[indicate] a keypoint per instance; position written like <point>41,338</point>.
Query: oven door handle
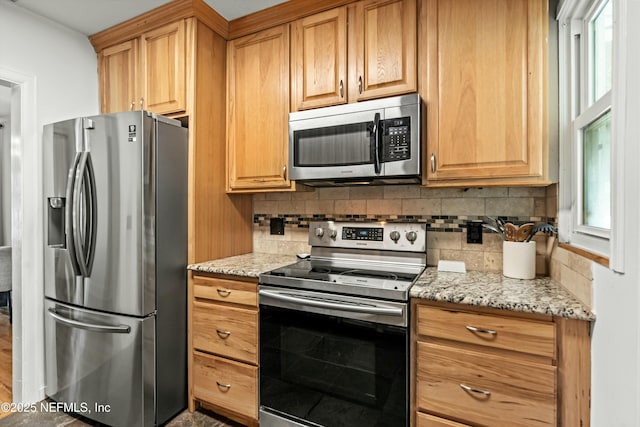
<point>343,306</point>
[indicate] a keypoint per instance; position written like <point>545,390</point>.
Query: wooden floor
<point>5,361</point>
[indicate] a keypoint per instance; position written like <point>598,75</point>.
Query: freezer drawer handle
<point>120,329</point>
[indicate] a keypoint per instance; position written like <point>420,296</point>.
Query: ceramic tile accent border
<point>441,223</point>
<point>445,211</point>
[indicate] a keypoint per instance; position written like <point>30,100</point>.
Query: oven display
<point>362,233</point>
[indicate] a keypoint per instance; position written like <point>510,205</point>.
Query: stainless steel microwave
<point>375,142</point>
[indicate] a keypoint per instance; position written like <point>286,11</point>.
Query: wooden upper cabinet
<point>381,60</point>
<point>164,77</point>
<point>119,76</point>
<point>485,86</point>
<point>147,72</point>
<point>382,48</point>
<point>258,111</point>
<point>319,60</point>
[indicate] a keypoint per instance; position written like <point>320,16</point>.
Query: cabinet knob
<point>223,334</point>
<point>133,103</point>
<point>481,330</point>
<point>226,387</point>
<point>223,292</point>
<point>475,390</point>
<point>141,103</point>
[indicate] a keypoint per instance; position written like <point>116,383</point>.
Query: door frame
<point>27,235</point>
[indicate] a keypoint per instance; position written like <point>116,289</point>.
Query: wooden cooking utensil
<point>510,231</point>
<point>524,231</point>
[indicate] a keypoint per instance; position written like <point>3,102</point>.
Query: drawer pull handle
<point>223,292</point>
<point>481,331</point>
<point>475,390</point>
<point>226,387</point>
<point>223,334</point>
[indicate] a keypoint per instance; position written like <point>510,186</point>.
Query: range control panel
<point>409,237</point>
<point>363,233</point>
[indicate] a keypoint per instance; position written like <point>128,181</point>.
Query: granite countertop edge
<point>541,295</point>
<point>248,265</point>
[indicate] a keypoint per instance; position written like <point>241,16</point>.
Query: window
<point>586,68</point>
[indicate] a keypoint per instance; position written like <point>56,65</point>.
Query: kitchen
<point>69,88</point>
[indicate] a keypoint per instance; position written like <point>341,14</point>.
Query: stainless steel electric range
<point>334,342</point>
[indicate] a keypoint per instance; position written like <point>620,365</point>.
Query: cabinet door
<point>258,115</point>
<point>382,49</point>
<point>319,60</point>
<point>118,77</point>
<point>486,84</point>
<point>164,62</point>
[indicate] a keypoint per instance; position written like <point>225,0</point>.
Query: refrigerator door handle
<point>91,215</point>
<point>69,220</point>
<point>120,329</point>
<point>77,214</point>
<point>84,214</point>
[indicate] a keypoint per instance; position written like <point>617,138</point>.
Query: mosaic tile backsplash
<point>446,213</point>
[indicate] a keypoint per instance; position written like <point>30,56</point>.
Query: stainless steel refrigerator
<point>115,260</point>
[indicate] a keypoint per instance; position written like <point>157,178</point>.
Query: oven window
<point>331,371</point>
<point>339,145</point>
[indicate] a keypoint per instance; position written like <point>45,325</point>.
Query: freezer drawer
<point>95,359</point>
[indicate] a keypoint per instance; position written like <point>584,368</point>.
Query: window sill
<point>589,255</point>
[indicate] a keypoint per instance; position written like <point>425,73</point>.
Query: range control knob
<point>411,236</point>
<point>395,236</point>
<point>333,234</point>
<point>319,232</point>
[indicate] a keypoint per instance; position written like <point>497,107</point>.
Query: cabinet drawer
<point>231,385</point>
<point>226,331</point>
<point>519,392</point>
<point>223,290</point>
<point>523,335</point>
<point>426,420</point>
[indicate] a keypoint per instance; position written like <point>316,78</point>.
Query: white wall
<point>615,383</point>
<point>61,68</point>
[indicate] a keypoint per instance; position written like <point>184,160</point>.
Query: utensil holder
<point>519,260</point>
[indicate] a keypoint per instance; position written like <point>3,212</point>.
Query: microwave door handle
<point>376,136</point>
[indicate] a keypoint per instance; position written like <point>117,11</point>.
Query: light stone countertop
<point>247,265</point>
<point>540,295</point>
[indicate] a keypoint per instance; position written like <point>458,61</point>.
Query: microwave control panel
<point>396,139</point>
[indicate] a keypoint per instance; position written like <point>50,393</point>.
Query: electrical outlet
<point>276,226</point>
<point>474,232</point>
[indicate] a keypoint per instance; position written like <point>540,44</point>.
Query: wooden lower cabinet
<point>480,387</point>
<point>223,342</point>
<point>488,367</point>
<point>226,383</point>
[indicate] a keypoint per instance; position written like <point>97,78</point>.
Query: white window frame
<point>574,17</point>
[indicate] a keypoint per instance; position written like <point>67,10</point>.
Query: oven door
<point>334,361</point>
